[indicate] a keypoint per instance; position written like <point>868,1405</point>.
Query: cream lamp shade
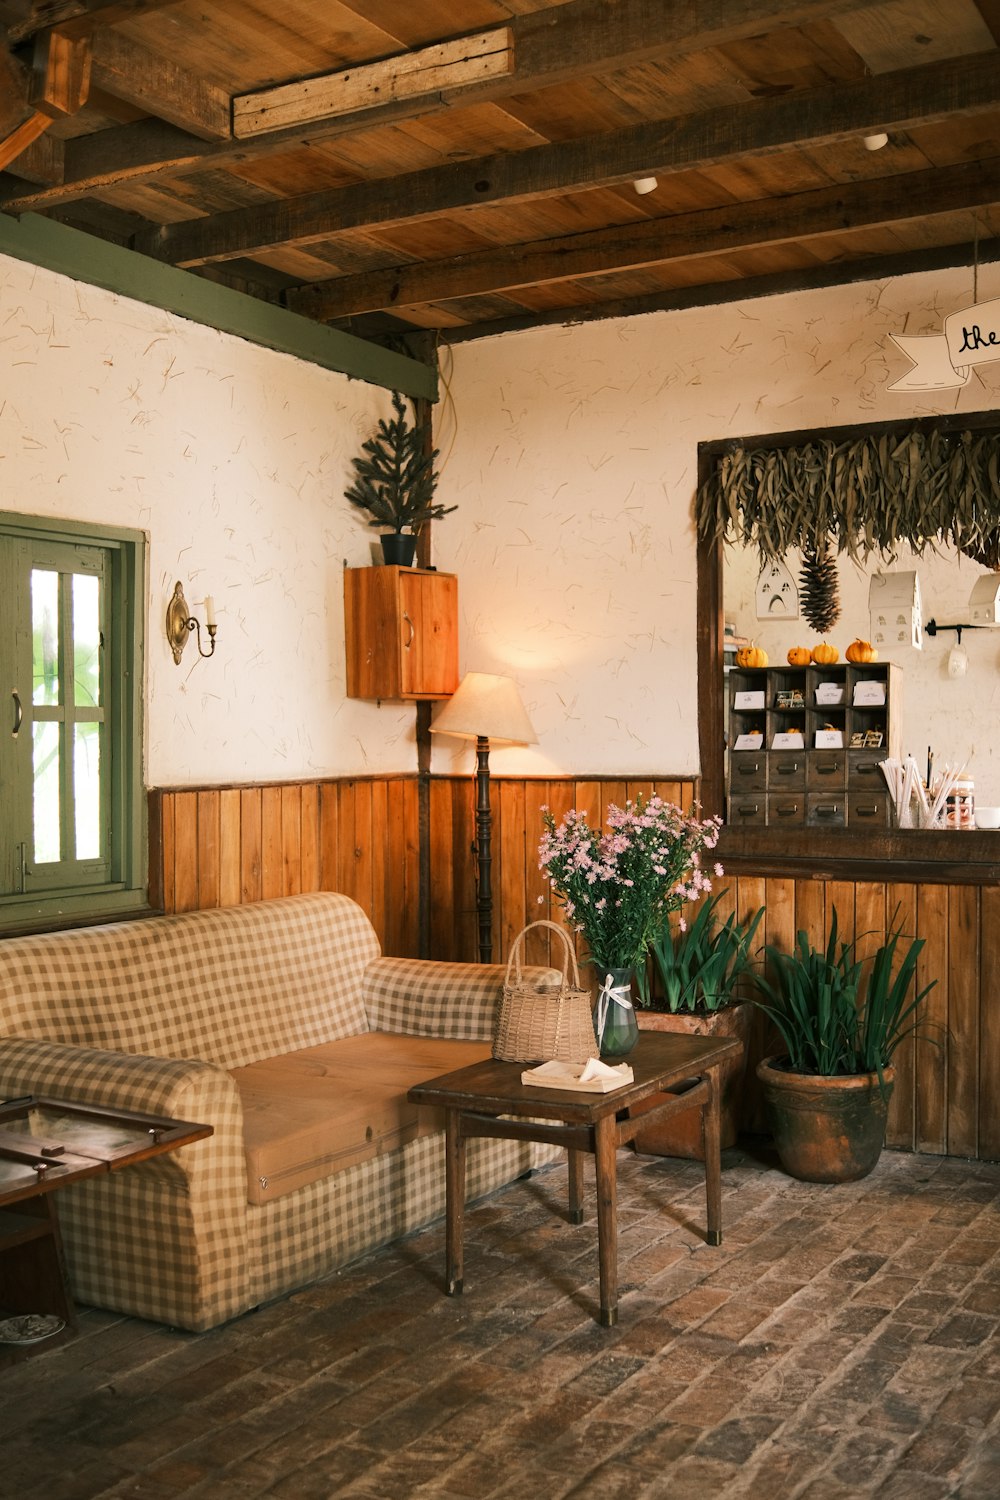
<point>486,707</point>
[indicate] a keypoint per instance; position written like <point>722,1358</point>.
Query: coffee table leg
<point>606,1161</point>
<point>455,1202</point>
<point>713,1157</point>
<point>575,1187</point>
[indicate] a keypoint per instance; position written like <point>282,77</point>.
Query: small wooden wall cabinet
<point>400,633</point>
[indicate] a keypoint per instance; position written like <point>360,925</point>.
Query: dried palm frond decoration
<point>865,494</point>
<point>819,597</point>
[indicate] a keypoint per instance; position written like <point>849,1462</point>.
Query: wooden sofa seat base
<point>326,1108</point>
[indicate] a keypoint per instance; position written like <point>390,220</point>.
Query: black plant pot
<point>398,547</point>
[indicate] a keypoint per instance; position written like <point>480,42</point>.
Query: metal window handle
<point>18,713</point>
<point>408,643</point>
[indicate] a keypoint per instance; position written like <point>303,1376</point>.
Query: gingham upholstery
<point>426,998</point>
<point>150,1015</point>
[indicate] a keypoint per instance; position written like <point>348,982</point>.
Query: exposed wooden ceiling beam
<point>14,79</point>
<point>78,17</point>
<point>742,226</point>
<point>58,85</point>
<point>158,86</point>
<point>60,81</point>
<point>571,40</point>
<point>894,100</point>
<point>20,139</point>
<point>445,69</point>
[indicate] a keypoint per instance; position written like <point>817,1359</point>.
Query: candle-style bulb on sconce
<point>181,622</point>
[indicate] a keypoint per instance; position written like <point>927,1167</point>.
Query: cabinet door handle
<point>787,812</point>
<point>409,641</point>
<point>744,770</point>
<point>833,770</point>
<point>748,812</point>
<point>828,812</point>
<point>866,812</point>
<point>18,713</point>
<point>786,770</point>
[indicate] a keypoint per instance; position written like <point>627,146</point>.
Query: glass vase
<point>615,1025</point>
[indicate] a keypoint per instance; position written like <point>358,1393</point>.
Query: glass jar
<point>960,805</point>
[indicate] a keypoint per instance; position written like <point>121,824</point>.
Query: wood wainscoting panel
<point>225,846</point>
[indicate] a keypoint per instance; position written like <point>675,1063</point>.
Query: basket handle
<point>569,953</point>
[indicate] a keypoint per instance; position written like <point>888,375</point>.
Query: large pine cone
<point>818,596</point>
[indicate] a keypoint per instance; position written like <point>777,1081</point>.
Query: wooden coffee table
<point>489,1099</point>
<point>74,1141</point>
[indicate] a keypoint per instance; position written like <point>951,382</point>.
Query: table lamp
<point>484,708</point>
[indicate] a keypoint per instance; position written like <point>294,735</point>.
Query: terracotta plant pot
<point>681,1134</point>
<point>826,1129</point>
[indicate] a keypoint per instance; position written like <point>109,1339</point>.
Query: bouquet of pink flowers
<point>617,887</point>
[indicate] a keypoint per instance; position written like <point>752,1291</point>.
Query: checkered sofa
<point>279,1024</point>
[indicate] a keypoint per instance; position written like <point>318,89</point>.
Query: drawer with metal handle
<point>786,810</point>
<point>826,810</point>
<point>871,808</point>
<point>747,771</point>
<point>826,770</point>
<point>748,810</point>
<point>863,773</point>
<point>786,772</point>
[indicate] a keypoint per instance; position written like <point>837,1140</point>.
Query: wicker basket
<point>535,1023</point>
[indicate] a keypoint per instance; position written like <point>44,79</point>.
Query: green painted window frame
<point>92,890</point>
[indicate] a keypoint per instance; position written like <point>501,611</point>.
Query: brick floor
<point>842,1342</point>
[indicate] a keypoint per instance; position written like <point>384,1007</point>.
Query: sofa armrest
<point>183,1089</point>
<point>423,997</point>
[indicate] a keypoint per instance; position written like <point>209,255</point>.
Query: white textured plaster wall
<point>572,455</point>
<point>233,459</point>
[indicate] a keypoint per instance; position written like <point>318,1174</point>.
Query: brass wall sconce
<point>181,622</point>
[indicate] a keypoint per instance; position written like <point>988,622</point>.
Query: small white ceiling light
<point>876,142</point>
<point>645,185</point>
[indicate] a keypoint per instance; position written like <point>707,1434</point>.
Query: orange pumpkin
<point>824,655</point>
<point>861,651</point>
<point>751,656</point>
<point>799,656</point>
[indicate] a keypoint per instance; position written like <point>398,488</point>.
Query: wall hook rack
<point>932,628</point>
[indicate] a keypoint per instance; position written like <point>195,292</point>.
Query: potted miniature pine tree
<point>395,482</point>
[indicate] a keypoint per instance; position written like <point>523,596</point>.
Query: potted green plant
<point>841,1018</point>
<point>395,482</point>
<point>700,968</point>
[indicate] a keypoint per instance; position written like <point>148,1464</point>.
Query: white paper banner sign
<point>942,362</point>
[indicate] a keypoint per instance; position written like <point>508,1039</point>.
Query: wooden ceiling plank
<point>727,133</point>
<point>447,68</point>
<point>156,85</point>
<point>742,226</point>
<point>79,17</point>
<point>569,40</point>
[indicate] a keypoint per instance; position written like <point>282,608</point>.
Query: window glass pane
<point>87,790</point>
<point>45,636</point>
<point>46,797</point>
<point>86,640</point>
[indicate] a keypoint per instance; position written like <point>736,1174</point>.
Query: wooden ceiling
<point>463,166</point>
